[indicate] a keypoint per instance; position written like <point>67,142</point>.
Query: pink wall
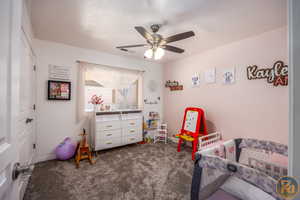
<point>253,109</point>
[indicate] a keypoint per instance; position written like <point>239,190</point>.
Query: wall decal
<point>210,75</point>
<point>59,72</point>
<point>277,75</point>
<point>196,80</point>
<point>228,76</point>
<point>173,85</point>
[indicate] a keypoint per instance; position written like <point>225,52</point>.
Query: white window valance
<point>111,77</point>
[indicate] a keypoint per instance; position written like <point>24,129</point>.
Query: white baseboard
<point>45,157</point>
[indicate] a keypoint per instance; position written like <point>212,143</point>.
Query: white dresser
<point>112,129</point>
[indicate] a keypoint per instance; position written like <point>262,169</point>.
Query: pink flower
<point>96,100</point>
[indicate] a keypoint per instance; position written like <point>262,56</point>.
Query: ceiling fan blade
<point>180,36</point>
<point>131,46</point>
<point>173,49</point>
<point>144,32</point>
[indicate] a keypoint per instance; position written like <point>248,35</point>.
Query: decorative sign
<point>173,85</point>
<point>195,80</point>
<point>229,76</point>
<point>210,75</point>
<point>59,72</point>
<point>278,74</point>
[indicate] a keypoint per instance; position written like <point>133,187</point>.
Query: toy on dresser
<point>83,151</point>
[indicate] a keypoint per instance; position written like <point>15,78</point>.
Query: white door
<point>16,131</point>
<point>7,147</point>
<point>26,137</point>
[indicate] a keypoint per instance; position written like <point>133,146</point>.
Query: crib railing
<point>271,169</point>
<point>209,139</point>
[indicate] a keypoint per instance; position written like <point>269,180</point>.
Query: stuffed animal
<point>65,150</point>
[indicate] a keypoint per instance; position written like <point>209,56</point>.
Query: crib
<point>209,140</point>
<point>228,171</point>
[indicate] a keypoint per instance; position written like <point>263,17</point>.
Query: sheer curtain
<point>108,77</point>
<point>81,78</point>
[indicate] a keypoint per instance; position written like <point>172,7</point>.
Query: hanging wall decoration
<point>173,85</point>
<point>59,72</point>
<point>210,75</point>
<point>277,75</point>
<point>59,90</point>
<point>196,80</point>
<point>229,76</point>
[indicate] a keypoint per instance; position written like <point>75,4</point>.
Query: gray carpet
<point>134,172</point>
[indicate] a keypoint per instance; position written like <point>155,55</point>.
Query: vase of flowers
<point>96,101</point>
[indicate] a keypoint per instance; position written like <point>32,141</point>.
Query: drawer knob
<point>132,123</point>
<point>108,142</point>
<point>108,134</point>
<point>132,131</point>
<point>132,139</point>
<point>109,126</point>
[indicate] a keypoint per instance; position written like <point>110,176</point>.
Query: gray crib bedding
<point>213,187</point>
<point>224,178</point>
<point>221,195</point>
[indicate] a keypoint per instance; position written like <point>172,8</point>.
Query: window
<point>119,88</point>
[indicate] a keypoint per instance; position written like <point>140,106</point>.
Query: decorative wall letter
<point>278,74</point>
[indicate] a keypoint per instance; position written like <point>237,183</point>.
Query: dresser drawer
<point>132,123</point>
<point>108,125</point>
<point>132,139</point>
<point>132,131</point>
<point>103,135</point>
<point>132,116</point>
<point>105,118</point>
<point>108,143</point>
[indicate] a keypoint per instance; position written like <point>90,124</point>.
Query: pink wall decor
<point>173,85</point>
<point>278,74</point>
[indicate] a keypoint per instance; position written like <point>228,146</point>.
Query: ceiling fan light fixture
<point>159,53</point>
<point>149,53</point>
<point>157,43</point>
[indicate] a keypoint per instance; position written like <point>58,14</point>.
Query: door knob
<point>18,169</point>
<point>28,120</point>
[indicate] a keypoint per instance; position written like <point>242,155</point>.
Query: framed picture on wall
<point>229,76</point>
<point>59,90</point>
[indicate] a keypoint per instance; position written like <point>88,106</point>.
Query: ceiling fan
<point>157,43</point>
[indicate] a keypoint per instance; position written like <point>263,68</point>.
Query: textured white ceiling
<point>104,24</point>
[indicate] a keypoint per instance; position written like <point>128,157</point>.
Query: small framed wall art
<point>229,76</point>
<point>210,75</point>
<point>196,80</point>
<point>59,90</point>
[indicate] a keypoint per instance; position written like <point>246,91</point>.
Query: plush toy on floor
<point>65,150</point>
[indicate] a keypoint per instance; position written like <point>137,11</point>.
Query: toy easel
<point>83,151</point>
<point>193,126</point>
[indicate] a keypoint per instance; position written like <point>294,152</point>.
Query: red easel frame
<point>200,130</point>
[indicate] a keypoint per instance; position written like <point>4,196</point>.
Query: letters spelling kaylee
<point>278,74</point>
